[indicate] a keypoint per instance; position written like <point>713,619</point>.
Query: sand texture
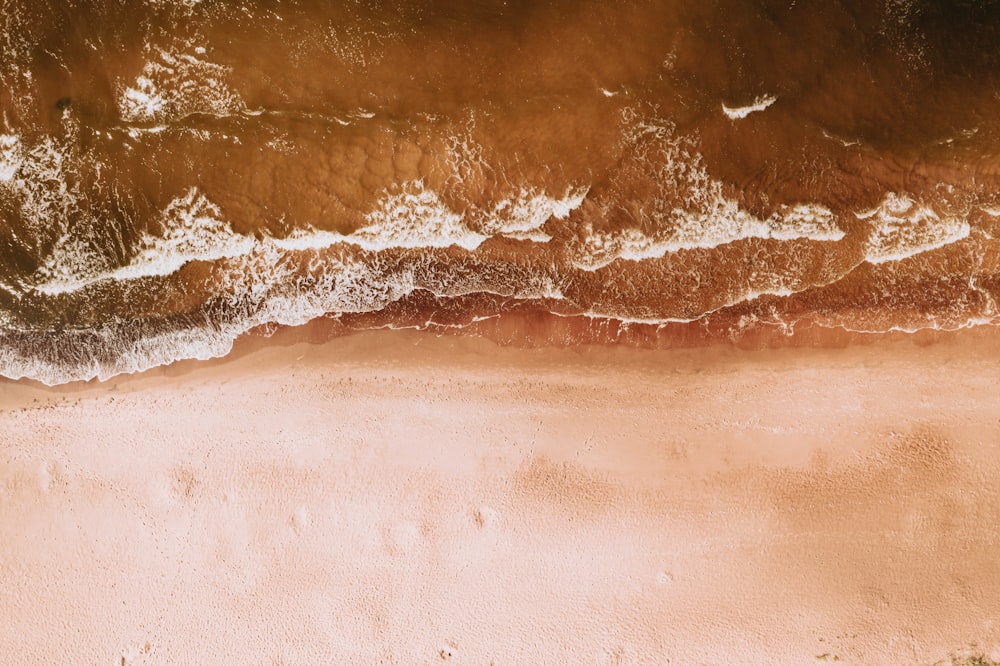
<point>397,498</point>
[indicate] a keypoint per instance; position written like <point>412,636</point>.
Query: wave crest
<point>679,206</point>
<point>174,85</point>
<point>192,229</point>
<point>902,227</point>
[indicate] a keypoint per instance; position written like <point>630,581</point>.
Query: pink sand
<point>397,498</point>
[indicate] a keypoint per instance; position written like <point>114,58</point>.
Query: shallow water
<point>175,174</point>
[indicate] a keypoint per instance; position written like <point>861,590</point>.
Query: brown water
<point>174,174</point>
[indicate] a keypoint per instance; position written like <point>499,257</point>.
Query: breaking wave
<point>174,175</point>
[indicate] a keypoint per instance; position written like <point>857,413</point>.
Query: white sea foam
<point>189,4</point>
<point>309,239</point>
<point>932,324</point>
<point>192,230</point>
<point>265,293</point>
<point>524,215</point>
<point>464,154</point>
<point>412,218</point>
<point>416,217</point>
<point>264,283</point>
<point>262,288</point>
<point>902,227</point>
<point>138,132</point>
<point>265,287</point>
<point>142,101</point>
<point>687,208</point>
<point>740,112</point>
<point>844,142</point>
<point>72,263</point>
<point>11,155</point>
<point>726,223</point>
<point>41,175</point>
<point>743,297</point>
<point>175,84</point>
<point>44,180</point>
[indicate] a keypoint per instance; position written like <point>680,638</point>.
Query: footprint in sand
<point>136,654</point>
<point>484,516</point>
<point>300,520</point>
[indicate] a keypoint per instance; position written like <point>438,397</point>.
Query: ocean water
<point>176,174</point>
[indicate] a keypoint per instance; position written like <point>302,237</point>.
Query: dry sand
<point>397,498</point>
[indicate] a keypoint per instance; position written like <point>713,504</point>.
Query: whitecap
<point>523,215</point>
<point>724,223</point>
<point>415,217</point>
<point>192,229</point>
<point>142,101</point>
<point>11,156</point>
<point>176,84</point>
<point>740,112</point>
<point>685,208</point>
<point>902,227</point>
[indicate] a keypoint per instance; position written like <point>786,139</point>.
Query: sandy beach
<point>402,498</point>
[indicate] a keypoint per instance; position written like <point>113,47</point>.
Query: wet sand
<point>395,497</point>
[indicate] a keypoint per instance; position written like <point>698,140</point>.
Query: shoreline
<point>408,333</point>
<point>401,496</point>
<point>534,329</point>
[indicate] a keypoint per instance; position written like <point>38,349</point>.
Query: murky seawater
<point>174,174</point>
